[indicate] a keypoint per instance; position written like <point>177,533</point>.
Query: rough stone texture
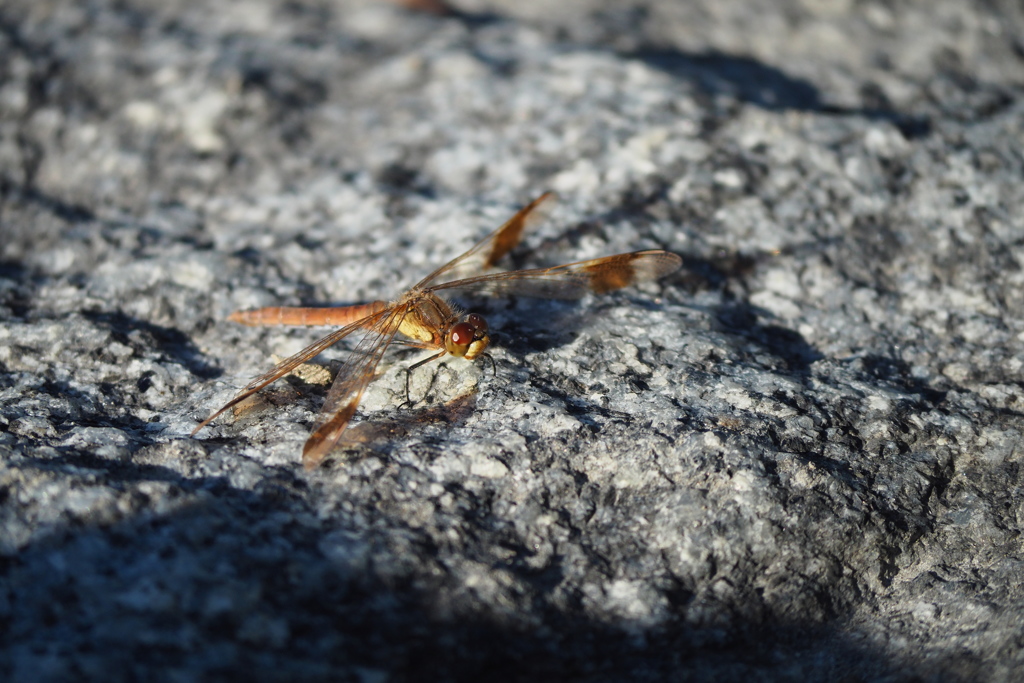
<point>798,459</point>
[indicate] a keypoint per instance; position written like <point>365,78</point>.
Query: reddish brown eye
<point>462,334</point>
<point>477,321</point>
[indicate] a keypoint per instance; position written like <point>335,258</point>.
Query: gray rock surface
<point>798,459</point>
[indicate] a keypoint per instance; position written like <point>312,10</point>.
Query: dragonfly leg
<point>494,367</point>
<point>408,375</point>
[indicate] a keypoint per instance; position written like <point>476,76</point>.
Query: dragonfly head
<point>468,337</point>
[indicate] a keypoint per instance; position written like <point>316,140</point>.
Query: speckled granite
<point>798,459</point>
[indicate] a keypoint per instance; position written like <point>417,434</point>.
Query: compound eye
<point>462,334</point>
<point>477,321</point>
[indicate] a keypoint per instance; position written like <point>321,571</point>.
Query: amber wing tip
<point>311,459</point>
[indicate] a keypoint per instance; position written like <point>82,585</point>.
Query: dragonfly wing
<point>347,390</point>
<point>573,280</point>
<point>289,364</point>
<point>492,248</point>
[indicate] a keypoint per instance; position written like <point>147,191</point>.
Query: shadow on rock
<point>172,343</point>
<point>231,582</point>
<point>769,87</point>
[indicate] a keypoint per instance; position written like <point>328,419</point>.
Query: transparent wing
<point>347,390</point>
<point>573,280</point>
<point>489,250</point>
<point>289,364</point>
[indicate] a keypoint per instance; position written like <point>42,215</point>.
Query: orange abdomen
<point>290,315</point>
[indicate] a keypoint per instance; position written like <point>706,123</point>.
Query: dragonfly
<point>426,320</point>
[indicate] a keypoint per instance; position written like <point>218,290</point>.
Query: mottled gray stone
<point>797,459</point>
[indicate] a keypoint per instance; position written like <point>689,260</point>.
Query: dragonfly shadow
<point>712,71</point>
<point>743,319</point>
<point>783,343</point>
<point>173,344</point>
<point>441,9</point>
<point>379,434</point>
<point>769,87</point>
<point>540,325</point>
